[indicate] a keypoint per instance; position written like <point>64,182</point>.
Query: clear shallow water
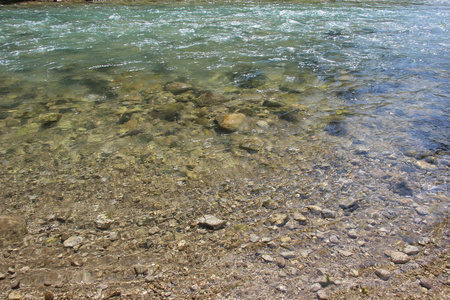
<point>386,64</point>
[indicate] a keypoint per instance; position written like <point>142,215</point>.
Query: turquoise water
<point>386,62</point>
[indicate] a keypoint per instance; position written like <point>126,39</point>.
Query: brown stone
<point>177,88</point>
<point>210,98</point>
<point>12,229</point>
<point>231,122</point>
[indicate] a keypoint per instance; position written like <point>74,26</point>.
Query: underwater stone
<point>336,128</point>
<point>103,222</point>
<point>177,88</point>
<point>12,229</point>
<point>231,122</point>
<point>48,120</point>
<point>210,98</point>
<point>73,242</point>
<point>211,222</point>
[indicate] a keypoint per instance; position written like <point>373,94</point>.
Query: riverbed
<point>317,135</point>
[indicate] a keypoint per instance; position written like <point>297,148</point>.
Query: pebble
<point>398,257</point>
<point>352,233</point>
<point>140,269</point>
<point>315,287</point>
<point>426,283</point>
<point>346,253</point>
<point>103,222</point>
<point>48,295</point>
<point>334,239</point>
<point>322,295</point>
<point>314,209</point>
<point>253,238</point>
<point>262,124</point>
<point>211,222</point>
<point>15,284</point>
<point>73,242</point>
<point>288,254</point>
<point>349,204</point>
<point>231,122</point>
<point>281,262</point>
<point>2,276</point>
<point>411,250</point>
<point>282,288</point>
<point>300,218</point>
<point>176,87</point>
<point>278,219</point>
<point>153,230</point>
<point>423,210</point>
<point>328,214</point>
<point>113,236</point>
<point>15,295</point>
<point>182,245</point>
<point>383,274</point>
<point>267,258</point>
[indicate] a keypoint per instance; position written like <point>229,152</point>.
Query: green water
<point>380,68</point>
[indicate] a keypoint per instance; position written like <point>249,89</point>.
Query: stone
<point>253,238</point>
<point>349,204</point>
<point>209,99</point>
<point>12,229</point>
<point>426,283</point>
<point>352,233</point>
<point>300,218</point>
<point>282,288</point>
<point>411,250</point>
<point>315,209</point>
<point>315,287</point>
<point>153,230</point>
<point>278,219</point>
<point>15,295</point>
<point>113,236</point>
<point>170,112</point>
<point>211,222</point>
<point>140,269</point>
<point>15,284</point>
<point>322,295</point>
<point>267,258</point>
<point>48,295</point>
<point>288,254</point>
<point>281,262</point>
<point>48,120</point>
<point>2,276</point>
<point>398,257</point>
<point>182,245</point>
<point>328,214</point>
<point>423,210</point>
<point>231,122</point>
<point>383,274</point>
<point>176,87</point>
<point>103,222</point>
<point>73,242</point>
<point>334,239</point>
<point>252,144</point>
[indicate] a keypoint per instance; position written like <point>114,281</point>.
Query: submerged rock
<point>336,128</point>
<point>177,88</point>
<point>231,122</point>
<point>248,77</point>
<point>211,222</point>
<point>209,99</point>
<point>49,120</point>
<point>73,242</point>
<point>103,222</point>
<point>12,229</point>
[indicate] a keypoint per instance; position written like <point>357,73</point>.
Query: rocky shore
<point>175,191</point>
